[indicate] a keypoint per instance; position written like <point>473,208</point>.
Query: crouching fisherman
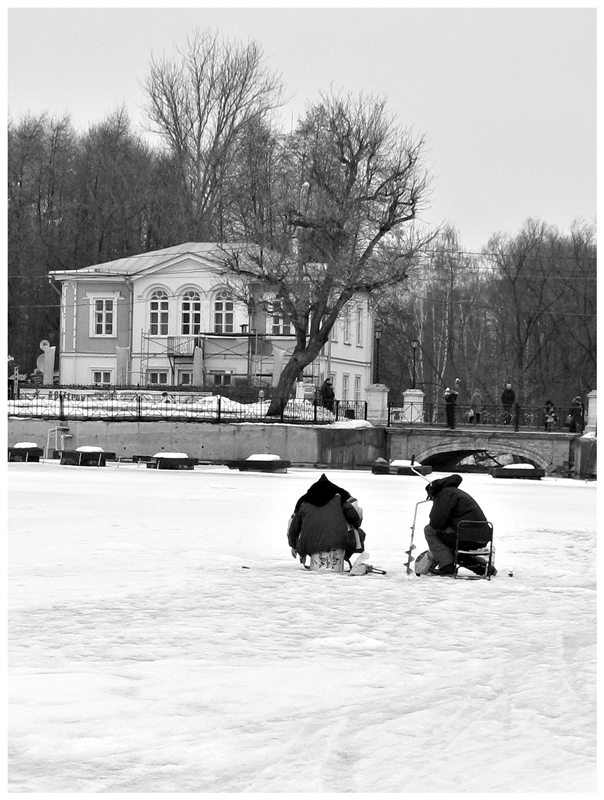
<point>325,526</point>
<point>450,505</point>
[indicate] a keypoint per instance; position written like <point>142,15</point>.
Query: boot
<point>477,566</point>
<point>448,569</point>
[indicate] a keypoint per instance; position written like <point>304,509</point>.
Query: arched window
<point>223,313</point>
<point>158,313</point>
<point>190,314</point>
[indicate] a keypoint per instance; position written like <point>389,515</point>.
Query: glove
<point>294,552</point>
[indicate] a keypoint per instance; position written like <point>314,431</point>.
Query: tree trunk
<point>287,379</point>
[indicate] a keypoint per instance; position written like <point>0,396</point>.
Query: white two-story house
<point>167,318</point>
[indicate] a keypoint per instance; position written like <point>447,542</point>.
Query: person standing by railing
<point>450,398</point>
<point>507,401</point>
<point>550,415</point>
<point>475,407</point>
<point>575,416</point>
<point>327,395</point>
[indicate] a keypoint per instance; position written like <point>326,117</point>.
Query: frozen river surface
<point>163,639</point>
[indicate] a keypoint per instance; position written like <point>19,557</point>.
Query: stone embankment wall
<point>217,443</point>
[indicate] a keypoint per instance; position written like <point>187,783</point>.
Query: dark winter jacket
<point>575,413</point>
<point>323,519</point>
<point>327,395</point>
<point>507,397</point>
<point>321,491</point>
<point>451,504</point>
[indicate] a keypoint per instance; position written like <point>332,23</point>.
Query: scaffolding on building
<point>253,351</point>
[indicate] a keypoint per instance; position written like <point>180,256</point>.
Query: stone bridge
<point>443,449</point>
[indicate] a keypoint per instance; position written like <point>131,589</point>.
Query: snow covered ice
<point>163,639</point>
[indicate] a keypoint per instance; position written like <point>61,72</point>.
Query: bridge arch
<point>520,449</point>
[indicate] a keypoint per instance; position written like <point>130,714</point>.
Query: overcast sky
<point>506,97</point>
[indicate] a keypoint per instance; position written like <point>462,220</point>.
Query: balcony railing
<point>181,345</point>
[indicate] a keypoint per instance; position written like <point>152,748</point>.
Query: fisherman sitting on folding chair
<point>450,506</point>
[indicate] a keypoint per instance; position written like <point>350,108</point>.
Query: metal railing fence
<point>490,416</point>
<point>141,406</point>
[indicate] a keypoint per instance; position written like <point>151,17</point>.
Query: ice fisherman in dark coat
<point>323,520</point>
<point>450,505</point>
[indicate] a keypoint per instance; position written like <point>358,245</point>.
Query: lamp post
<point>378,335</point>
<point>414,344</point>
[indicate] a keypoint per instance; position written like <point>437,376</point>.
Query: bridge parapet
<point>549,451</point>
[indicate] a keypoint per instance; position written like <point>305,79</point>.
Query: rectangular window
<point>102,316</point>
<point>277,323</point>
<point>346,325</point>
<point>221,379</point>
<point>359,326</point>
<point>357,388</point>
<point>345,387</point>
<point>101,378</point>
<point>185,378</point>
<point>157,378</point>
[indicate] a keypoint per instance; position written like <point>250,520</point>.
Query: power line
<point>411,277</point>
<point>87,304</point>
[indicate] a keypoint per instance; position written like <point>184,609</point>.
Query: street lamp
<point>414,344</point>
<point>378,335</point>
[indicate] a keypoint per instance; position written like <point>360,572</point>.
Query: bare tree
<point>544,287</point>
<point>114,173</point>
<point>41,152</point>
<point>439,307</point>
<point>198,103</point>
<point>341,219</point>
<point>73,200</point>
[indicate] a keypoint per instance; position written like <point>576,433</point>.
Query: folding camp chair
<point>474,541</point>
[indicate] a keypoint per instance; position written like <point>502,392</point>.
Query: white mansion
<point>166,318</point>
